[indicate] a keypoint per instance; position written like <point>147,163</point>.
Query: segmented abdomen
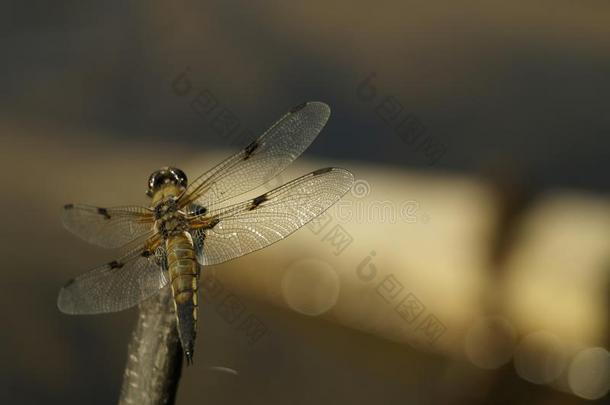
<point>183,272</point>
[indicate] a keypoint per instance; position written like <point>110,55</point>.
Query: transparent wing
<point>108,227</point>
<point>242,228</point>
<point>117,285</point>
<point>260,161</point>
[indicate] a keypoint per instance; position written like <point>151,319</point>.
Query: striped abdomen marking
<point>183,273</point>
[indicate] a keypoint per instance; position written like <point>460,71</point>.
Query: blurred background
<point>468,265</point>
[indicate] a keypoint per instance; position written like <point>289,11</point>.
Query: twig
<point>154,355</point>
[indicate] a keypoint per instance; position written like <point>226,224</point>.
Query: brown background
<point>516,94</point>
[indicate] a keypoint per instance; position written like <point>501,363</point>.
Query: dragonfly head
<point>164,177</point>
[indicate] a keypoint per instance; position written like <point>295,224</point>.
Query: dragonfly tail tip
<point>189,357</point>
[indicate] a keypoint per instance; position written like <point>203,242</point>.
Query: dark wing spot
<point>68,206</point>
<point>198,239</point>
<point>211,224</point>
<point>322,171</point>
<point>161,258</point>
<point>298,107</point>
<point>258,201</point>
<point>115,265</point>
<point>250,149</point>
<point>104,212</point>
<point>198,210</point>
<point>69,282</point>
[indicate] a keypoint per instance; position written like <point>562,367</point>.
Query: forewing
<point>242,228</point>
<point>108,227</point>
<point>117,285</point>
<point>260,161</point>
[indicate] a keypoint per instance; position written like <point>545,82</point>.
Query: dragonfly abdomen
<point>183,272</point>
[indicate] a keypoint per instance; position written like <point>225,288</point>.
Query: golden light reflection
<point>490,342</point>
<point>589,375</point>
<point>540,357</point>
<point>310,286</point>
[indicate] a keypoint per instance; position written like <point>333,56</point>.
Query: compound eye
<point>158,180</point>
<point>180,177</point>
<point>151,181</point>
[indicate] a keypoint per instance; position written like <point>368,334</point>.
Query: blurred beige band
<point>403,256</point>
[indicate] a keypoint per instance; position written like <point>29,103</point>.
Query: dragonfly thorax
<point>169,219</point>
<point>166,207</point>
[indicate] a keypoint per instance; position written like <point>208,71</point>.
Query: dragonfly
<point>191,225</point>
